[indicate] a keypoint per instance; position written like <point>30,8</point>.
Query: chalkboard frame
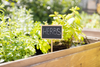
<point>52,25</point>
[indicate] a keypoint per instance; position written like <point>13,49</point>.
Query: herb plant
<point>19,35</point>
<point>14,43</point>
<point>42,44</point>
<point>72,29</point>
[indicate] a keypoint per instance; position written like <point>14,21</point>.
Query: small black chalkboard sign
<point>51,32</point>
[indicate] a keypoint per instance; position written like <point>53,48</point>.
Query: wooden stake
<point>51,46</point>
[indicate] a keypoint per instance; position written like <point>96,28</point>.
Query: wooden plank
<point>90,39</point>
<point>93,35</point>
<point>87,58</point>
<point>91,32</point>
<point>49,56</point>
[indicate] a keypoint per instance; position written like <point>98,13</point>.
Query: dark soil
<point>38,51</point>
<point>60,45</point>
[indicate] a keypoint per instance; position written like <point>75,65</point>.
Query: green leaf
<point>51,15</point>
<point>77,8</point>
<point>77,20</point>
<point>71,20</point>
<point>69,16</point>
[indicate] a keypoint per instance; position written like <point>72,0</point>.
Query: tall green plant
<point>19,35</point>
<point>72,29</point>
<point>14,43</point>
<point>42,44</point>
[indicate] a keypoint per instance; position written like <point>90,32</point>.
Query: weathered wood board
<point>93,35</point>
<point>91,32</point>
<point>83,56</point>
<point>86,58</point>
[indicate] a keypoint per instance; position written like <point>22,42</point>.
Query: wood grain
<point>91,32</point>
<point>58,54</point>
<point>87,58</point>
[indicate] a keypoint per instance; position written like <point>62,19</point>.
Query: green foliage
<point>42,8</point>
<point>90,21</point>
<point>42,44</point>
<point>72,29</point>
<point>14,44</point>
<point>18,35</point>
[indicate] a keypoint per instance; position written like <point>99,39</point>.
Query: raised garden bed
<point>77,56</point>
<point>83,56</point>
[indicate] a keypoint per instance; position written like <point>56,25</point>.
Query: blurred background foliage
<point>41,9</point>
<point>90,21</point>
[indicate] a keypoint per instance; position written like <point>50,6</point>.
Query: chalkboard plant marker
<point>51,32</point>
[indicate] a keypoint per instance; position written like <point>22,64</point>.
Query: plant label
<point>51,32</point>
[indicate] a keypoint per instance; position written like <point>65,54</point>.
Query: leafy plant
<point>72,28</point>
<point>14,43</point>
<point>18,36</point>
<point>42,44</point>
